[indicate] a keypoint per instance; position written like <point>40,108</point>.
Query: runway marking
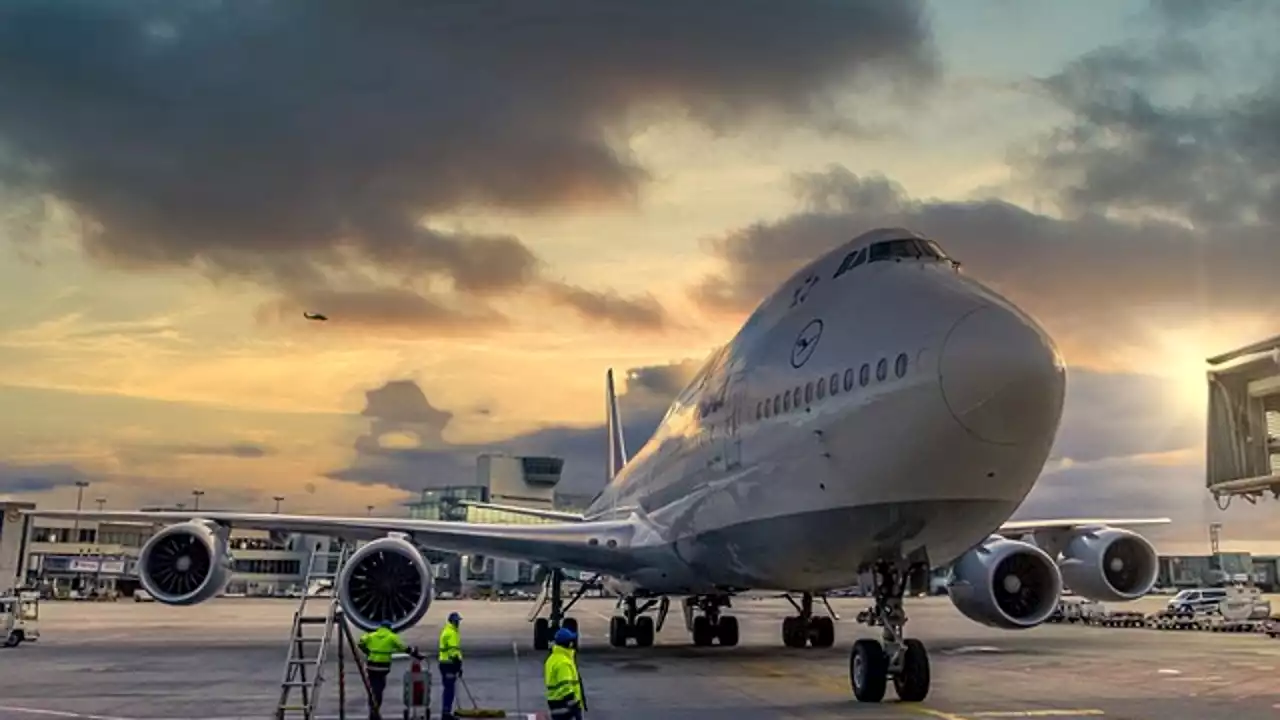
<point>972,714</point>
<point>922,710</point>
<point>58,713</point>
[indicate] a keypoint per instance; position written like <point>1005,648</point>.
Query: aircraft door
<point>732,450</point>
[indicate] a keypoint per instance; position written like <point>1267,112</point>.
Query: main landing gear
<point>634,624</point>
<point>704,620</point>
<point>872,663</point>
<point>544,629</point>
<point>805,628</point>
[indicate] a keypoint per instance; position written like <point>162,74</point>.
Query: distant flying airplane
<point>314,316</point>
<point>880,415</point>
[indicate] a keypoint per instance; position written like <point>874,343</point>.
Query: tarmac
<point>224,659</point>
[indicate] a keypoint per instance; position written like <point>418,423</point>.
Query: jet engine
<point>185,564</point>
<point>386,580</point>
<point>1006,584</point>
<point>1109,564</point>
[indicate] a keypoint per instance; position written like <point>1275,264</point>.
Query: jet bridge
<point>1243,447</point>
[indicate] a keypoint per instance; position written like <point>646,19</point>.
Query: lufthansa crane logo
<point>806,343</point>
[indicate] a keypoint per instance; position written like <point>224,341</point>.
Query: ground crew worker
<point>564,687</point>
<point>450,664</point>
<point>378,647</point>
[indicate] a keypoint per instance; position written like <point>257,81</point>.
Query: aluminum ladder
<point>314,631</point>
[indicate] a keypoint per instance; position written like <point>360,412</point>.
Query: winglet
<point>617,444</point>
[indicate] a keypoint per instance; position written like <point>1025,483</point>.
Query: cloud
<point>1097,283</point>
<point>31,478</point>
<point>405,446</point>
<point>241,450</point>
<point>302,145</point>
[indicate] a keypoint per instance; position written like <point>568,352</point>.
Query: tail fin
<point>617,444</point>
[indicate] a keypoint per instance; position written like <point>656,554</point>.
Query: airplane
<point>315,316</point>
<point>879,415</point>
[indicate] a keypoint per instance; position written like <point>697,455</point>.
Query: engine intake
<point>1006,584</point>
<point>386,580</point>
<point>185,564</point>
<point>1110,564</point>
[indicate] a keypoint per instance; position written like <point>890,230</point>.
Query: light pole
<point>101,502</point>
<point>182,506</point>
<point>278,499</point>
<point>197,494</point>
<point>75,526</point>
<point>368,509</point>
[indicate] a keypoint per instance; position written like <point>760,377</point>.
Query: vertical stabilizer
<point>617,444</point>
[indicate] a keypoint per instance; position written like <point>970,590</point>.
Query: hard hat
<point>455,618</point>
<point>564,636</point>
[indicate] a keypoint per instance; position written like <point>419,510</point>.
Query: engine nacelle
<point>185,564</point>
<point>1006,584</point>
<point>1109,564</point>
<point>387,579</point>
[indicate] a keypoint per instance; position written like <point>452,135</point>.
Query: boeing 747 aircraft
<point>879,415</point>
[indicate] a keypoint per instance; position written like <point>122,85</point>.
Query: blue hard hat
<point>455,618</point>
<point>564,636</point>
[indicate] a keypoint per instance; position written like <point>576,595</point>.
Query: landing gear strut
<point>704,620</point>
<point>544,629</point>
<point>634,624</point>
<point>872,663</point>
<point>805,628</point>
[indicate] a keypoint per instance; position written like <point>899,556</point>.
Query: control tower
<point>1243,447</point>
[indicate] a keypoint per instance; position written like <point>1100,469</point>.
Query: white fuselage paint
<point>928,458</point>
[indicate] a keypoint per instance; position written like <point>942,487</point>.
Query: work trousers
<point>448,683</point>
<point>377,683</point>
<point>565,709</point>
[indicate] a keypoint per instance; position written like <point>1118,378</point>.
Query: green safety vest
<point>380,644</point>
<point>450,644</point>
<point>561,673</point>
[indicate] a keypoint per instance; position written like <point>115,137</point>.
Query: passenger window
<point>835,383</point>
<point>796,393</point>
<point>822,387</point>
<point>848,380</point>
<point>777,404</point>
<point>786,401</point>
<point>808,393</point>
<point>882,369</point>
<point>900,367</point>
<point>759,410</point>
<point>864,375</point>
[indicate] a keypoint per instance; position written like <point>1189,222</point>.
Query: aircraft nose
<point>1001,377</point>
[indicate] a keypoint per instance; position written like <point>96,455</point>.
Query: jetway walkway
<point>1243,445</point>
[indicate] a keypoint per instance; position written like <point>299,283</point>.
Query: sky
<point>496,201</point>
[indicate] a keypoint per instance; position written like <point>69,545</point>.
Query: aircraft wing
<point>600,546</point>
<point>1031,526</point>
<point>529,512</point>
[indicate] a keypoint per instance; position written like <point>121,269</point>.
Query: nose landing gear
<point>873,663</point>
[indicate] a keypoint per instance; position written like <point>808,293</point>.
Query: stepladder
<point>319,624</point>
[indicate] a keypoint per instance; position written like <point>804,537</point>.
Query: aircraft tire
<point>703,631</point>
<point>824,632</point>
<point>868,671</point>
<point>618,631</point>
<point>643,631</point>
<point>541,634</point>
<point>793,632</point>
<point>912,684</point>
<point>727,630</point>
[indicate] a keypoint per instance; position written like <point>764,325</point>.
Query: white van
<point>1233,603</point>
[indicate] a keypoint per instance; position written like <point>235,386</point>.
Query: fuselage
<point>879,405</point>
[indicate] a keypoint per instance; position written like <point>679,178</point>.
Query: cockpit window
<point>851,261</point>
<point>905,248</point>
